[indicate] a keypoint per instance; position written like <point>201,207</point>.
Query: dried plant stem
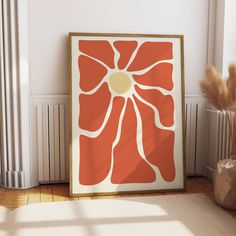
<point>231,118</point>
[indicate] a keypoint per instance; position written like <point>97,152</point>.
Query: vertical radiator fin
<point>62,143</point>
<point>40,148</point>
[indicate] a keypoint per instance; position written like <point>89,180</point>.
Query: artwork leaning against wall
<point>126,113</point>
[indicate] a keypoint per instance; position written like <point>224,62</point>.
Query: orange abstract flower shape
<point>163,103</point>
<point>126,49</point>
<point>160,75</point>
<point>98,49</point>
<point>149,53</point>
<point>93,108</point>
<point>95,153</point>
<point>158,144</point>
<point>148,67</point>
<point>129,167</point>
<point>91,73</point>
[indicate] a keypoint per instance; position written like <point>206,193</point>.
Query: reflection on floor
<point>60,192</point>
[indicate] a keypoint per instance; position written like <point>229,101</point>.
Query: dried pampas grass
<point>222,94</point>
<point>231,83</point>
<point>219,92</point>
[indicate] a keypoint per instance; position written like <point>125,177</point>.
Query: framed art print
<point>127,129</point>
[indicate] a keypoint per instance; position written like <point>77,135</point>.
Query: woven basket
<point>225,183</point>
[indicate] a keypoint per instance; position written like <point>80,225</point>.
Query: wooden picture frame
<point>127,129</point>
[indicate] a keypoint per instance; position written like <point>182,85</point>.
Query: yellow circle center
<point>120,82</point>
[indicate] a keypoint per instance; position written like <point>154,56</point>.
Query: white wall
<point>51,20</point>
<point>229,35</point>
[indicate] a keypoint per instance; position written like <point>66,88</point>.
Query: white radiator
<point>219,140</point>
<point>195,120</point>
<point>49,132</point>
<point>224,143</point>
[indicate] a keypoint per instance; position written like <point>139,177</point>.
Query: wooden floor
<point>60,192</point>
